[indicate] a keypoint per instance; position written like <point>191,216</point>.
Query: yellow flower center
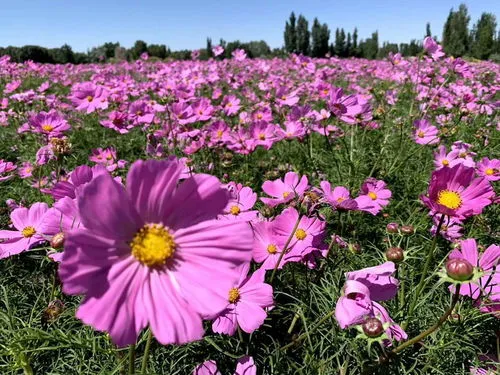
<point>153,245</point>
<point>262,136</point>
<point>286,194</point>
<point>90,98</point>
<point>340,199</point>
<point>235,210</point>
<point>259,116</point>
<point>219,133</point>
<point>489,172</point>
<point>449,199</point>
<point>234,295</point>
<point>421,134</point>
<point>300,234</point>
<point>29,231</point>
<point>372,195</point>
<point>445,162</point>
<point>283,97</point>
<point>47,127</point>
<point>272,249</point>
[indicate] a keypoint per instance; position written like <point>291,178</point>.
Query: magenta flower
<point>118,121</point>
<point>89,97</point>
<point>425,133</point>
<point>489,169</point>
<point>266,248</point>
<point>354,305</point>
<point>339,198</point>
<point>239,54</point>
<point>49,123</point>
<point>375,196</point>
<point>442,158</point>
<point>285,190</point>
<point>78,178</point>
<point>217,50</point>
<point>146,259</point>
<point>451,229</point>
<point>455,192</point>
<point>107,158</point>
<point>5,168</point>
<point>394,331</point>
<point>246,303</point>
<point>44,155</point>
<point>432,48</point>
<point>487,263</point>
<point>30,228</point>
<point>244,366</point>
<point>379,280</point>
<point>241,201</point>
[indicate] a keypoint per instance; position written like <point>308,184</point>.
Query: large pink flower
<point>153,255</point>
<point>455,192</point>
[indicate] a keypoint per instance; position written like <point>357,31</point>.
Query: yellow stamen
<point>234,295</point>
<point>47,127</point>
<point>29,231</point>
<point>421,134</point>
<point>153,245</point>
<point>262,136</point>
<point>90,98</point>
<point>489,172</point>
<point>372,195</point>
<point>235,210</point>
<point>272,249</point>
<point>286,194</point>
<point>445,162</point>
<point>300,234</point>
<point>449,199</point>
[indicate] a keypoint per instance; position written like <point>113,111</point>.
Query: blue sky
<point>186,24</point>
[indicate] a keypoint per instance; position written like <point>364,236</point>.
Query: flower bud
<point>407,229</point>
<point>459,269</point>
<point>395,254</point>
<point>392,228</point>
<point>53,310</point>
<point>355,248</point>
<point>373,327</point>
<point>57,242</point>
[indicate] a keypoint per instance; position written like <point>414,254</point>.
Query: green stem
<point>313,328</point>
<point>131,359</point>
<point>286,246</point>
<point>428,331</point>
<point>145,358</point>
<point>423,276</point>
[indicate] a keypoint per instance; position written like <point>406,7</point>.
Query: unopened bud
<point>53,310</point>
<point>395,254</point>
<point>459,269</point>
<point>373,327</point>
<point>355,248</point>
<point>407,229</point>
<point>392,227</point>
<point>57,242</point>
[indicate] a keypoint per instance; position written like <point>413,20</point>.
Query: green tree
<point>139,47</point>
<point>316,38</point>
<point>428,29</point>
<point>290,35</point>
<point>355,51</point>
<point>456,37</point>
<point>483,36</point>
<point>209,47</point>
<point>348,47</point>
<point>157,50</point>
<point>303,35</point>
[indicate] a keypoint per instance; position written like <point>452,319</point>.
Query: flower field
<point>250,216</point>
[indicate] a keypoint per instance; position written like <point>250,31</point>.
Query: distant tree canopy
<point>481,42</point>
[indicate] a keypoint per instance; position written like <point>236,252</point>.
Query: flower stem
<point>145,358</point>
<point>423,276</point>
<point>313,328</point>
<point>285,248</point>
<point>131,359</point>
<point>428,331</point>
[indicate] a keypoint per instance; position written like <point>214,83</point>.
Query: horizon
<point>25,21</point>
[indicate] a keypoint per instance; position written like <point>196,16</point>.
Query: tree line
<point>481,42</point>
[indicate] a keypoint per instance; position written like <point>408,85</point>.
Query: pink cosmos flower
<point>394,331</point>
<point>239,54</point>
<point>5,168</point>
<point>26,170</point>
<point>455,192</point>
<point>30,226</point>
<point>247,300</point>
<point>285,190</point>
<point>354,305</point>
<point>432,48</point>
<point>49,123</point>
<point>118,121</point>
<point>12,86</point>
<point>339,198</point>
<point>307,239</point>
<point>489,169</point>
<point>107,158</point>
<point>486,263</point>
<point>451,229</point>
<point>231,105</point>
<point>375,196</point>
<point>425,133</point>
<point>44,155</point>
<point>244,366</point>
<point>442,158</point>
<point>266,248</point>
<point>154,255</point>
<point>378,279</point>
<point>77,179</point>
<point>263,134</point>
<point>89,97</point>
<point>241,201</point>
<point>217,50</point>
